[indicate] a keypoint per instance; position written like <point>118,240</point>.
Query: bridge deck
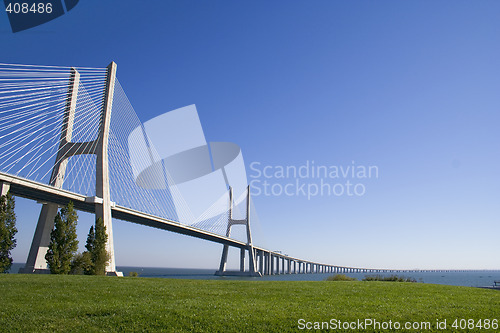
<point>44,193</point>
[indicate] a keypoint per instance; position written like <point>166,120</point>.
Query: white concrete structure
<point>36,262</point>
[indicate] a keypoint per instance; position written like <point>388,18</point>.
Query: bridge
<point>70,134</point>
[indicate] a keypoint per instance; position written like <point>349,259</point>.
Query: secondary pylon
<point>252,269</point>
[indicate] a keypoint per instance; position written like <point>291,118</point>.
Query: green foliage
<point>63,243</point>
<point>392,278</point>
<point>78,303</point>
<point>133,274</point>
<point>96,248</point>
<point>90,239</point>
<point>340,277</point>
<point>81,263</point>
<point>7,231</point>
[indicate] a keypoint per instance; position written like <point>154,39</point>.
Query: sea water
<point>468,278</point>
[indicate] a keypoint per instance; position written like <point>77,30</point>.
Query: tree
<point>89,269</point>
<point>63,243</point>
<point>90,240</point>
<point>96,247</point>
<point>7,231</point>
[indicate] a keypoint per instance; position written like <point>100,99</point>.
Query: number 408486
<point>486,324</point>
<point>25,8</point>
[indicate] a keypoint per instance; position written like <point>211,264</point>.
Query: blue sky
<point>411,87</point>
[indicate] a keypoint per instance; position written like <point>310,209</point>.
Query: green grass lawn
<point>91,303</point>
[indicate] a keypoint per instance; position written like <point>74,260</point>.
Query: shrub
<point>133,274</point>
<point>392,278</point>
<point>340,277</point>
<point>81,263</point>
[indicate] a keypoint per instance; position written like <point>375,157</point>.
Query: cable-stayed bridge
<point>70,134</point>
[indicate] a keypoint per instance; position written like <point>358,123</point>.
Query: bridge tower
<point>252,268</point>
<point>36,262</point>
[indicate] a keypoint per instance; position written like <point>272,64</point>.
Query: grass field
<point>91,303</point>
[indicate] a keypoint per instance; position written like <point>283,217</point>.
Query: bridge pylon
<point>252,267</point>
<point>36,262</point>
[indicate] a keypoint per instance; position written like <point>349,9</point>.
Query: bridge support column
<point>225,248</point>
<point>4,188</point>
<point>261,262</point>
<point>270,264</point>
<point>103,210</point>
<point>267,263</point>
<point>36,262</point>
<point>242,260</point>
